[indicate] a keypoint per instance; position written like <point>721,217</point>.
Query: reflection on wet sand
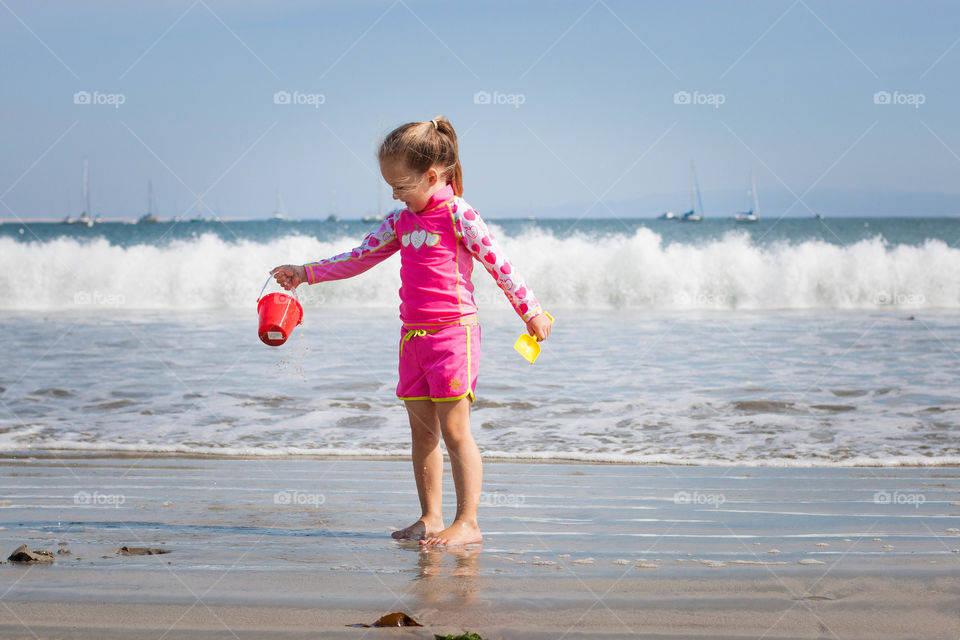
<point>447,575</point>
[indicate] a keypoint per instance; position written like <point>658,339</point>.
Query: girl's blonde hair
<point>422,145</point>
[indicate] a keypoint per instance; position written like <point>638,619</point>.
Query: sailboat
<point>692,215</point>
<point>754,214</point>
<point>149,217</point>
<point>375,216</point>
<point>278,213</point>
<point>84,218</point>
<point>198,216</point>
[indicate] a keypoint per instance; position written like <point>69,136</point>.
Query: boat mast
<point>756,200</point>
<point>696,184</point>
<point>86,191</point>
<point>693,180</point>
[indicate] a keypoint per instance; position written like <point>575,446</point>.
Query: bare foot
<point>457,533</point>
<point>419,530</point>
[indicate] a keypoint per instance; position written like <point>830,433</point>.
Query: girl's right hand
<point>289,276</point>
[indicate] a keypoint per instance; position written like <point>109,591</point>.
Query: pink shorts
<point>439,366</point>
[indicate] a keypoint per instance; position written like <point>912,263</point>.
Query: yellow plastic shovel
<point>527,345</point>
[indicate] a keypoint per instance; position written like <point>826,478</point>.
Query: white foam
<point>579,271</point>
<point>545,456</point>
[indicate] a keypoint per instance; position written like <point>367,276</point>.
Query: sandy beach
<point>300,547</point>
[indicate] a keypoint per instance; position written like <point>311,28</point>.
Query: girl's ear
<point>433,176</point>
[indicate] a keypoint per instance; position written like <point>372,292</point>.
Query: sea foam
<point>581,271</point>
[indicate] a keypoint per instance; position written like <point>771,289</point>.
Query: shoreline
<point>495,458</point>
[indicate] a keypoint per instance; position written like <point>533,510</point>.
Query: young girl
<point>438,235</point>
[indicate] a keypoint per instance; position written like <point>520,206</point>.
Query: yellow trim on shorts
<point>461,397</point>
<point>469,368</point>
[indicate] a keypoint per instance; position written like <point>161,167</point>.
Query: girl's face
<point>413,189</point>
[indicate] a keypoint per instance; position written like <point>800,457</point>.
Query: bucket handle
<point>291,292</point>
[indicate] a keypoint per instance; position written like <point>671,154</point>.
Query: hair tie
<point>436,127</point>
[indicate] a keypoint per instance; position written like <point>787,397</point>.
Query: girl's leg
<point>454,418</point>
<point>427,470</point>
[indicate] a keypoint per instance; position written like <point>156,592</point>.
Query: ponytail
<point>444,128</point>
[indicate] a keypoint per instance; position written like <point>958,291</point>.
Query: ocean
<point>798,342</point>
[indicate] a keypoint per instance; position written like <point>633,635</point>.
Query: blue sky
<point>588,120</point>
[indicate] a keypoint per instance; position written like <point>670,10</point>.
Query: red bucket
<point>279,314</point>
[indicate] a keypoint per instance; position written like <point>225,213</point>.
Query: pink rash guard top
<point>437,247</point>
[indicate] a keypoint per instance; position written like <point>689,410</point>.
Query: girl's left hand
<point>540,327</point>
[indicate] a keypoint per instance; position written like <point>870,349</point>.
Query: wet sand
<point>301,548</point>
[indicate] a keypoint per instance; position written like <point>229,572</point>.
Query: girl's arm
<point>480,242</point>
<point>374,249</point>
